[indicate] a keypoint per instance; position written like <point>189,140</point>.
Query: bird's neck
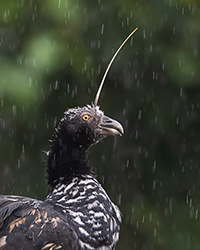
<point>66,160</point>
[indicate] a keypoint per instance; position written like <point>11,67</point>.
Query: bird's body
<point>80,210</point>
<point>77,213</point>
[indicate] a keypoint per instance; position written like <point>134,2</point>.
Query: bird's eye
<point>85,117</point>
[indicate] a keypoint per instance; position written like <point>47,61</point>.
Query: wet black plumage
<point>77,213</point>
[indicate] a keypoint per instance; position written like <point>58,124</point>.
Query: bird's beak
<point>110,126</point>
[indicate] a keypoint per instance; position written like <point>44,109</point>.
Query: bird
<point>77,212</point>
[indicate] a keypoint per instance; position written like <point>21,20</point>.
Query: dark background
<point>53,54</point>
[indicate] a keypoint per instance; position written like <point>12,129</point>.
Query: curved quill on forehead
<point>109,65</point>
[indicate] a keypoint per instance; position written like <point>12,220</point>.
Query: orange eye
<point>86,117</point>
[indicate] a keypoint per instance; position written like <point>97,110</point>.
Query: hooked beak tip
<point>111,127</point>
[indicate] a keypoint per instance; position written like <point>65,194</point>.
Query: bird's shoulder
<point>35,223</point>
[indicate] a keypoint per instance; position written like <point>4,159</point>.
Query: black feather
<point>77,213</point>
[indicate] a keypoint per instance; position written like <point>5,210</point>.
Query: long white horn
<point>108,67</point>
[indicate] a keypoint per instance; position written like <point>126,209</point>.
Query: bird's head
<point>88,125</point>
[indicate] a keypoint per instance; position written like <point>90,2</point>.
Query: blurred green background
<point>53,54</point>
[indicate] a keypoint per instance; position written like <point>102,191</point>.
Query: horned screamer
<point>77,212</point>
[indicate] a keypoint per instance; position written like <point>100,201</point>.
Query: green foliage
<point>53,55</point>
<point>16,83</point>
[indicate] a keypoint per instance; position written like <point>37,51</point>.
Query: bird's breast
<point>92,215</point>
